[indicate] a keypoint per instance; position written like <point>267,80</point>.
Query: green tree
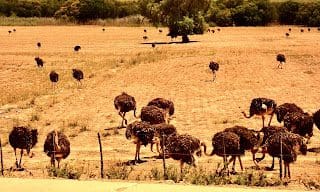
<point>183,17</point>
<point>288,12</point>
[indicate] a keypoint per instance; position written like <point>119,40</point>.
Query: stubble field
<point>119,60</point>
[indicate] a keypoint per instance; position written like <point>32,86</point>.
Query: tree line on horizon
<point>183,17</point>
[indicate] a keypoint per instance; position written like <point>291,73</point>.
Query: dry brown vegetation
<point>116,60</point>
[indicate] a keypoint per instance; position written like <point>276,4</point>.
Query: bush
<point>67,172</point>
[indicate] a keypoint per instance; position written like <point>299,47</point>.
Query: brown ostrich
<point>301,30</point>
<point>262,107</point>
<point>77,74</point>
<point>162,131</point>
<point>153,45</point>
<point>286,146</point>
<point>289,29</point>
<point>268,132</point>
<point>249,140</point>
<point>285,108</point>
<point>153,115</point>
<point>56,146</point>
<point>39,61</point>
<point>23,138</point>
<point>141,133</point>
<point>162,103</point>
<point>214,66</point>
<point>287,34</point>
<point>39,45</point>
<point>125,103</point>
<point>282,60</point>
<point>145,37</point>
<point>184,148</point>
<point>316,118</point>
<point>225,144</point>
<point>299,123</point>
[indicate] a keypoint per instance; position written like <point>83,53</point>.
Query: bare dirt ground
<point>117,60</point>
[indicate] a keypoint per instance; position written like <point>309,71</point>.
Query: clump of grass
<point>73,135</point>
<point>83,128</point>
<point>67,172</point>
<point>118,171</point>
<point>106,134</point>
<point>35,117</point>
<point>73,124</point>
<point>311,184</point>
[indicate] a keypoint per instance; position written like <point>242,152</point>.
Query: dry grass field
<point>117,60</point>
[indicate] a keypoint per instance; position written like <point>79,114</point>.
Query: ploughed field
<point>119,59</point>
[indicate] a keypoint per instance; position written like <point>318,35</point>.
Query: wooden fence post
<point>101,156</point>
<point>1,158</point>
<point>165,176</point>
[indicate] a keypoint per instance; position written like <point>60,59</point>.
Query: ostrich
<point>299,123</point>
<point>77,48</point>
<point>145,30</point>
<point>153,45</point>
<point>162,103</point>
<point>282,59</point>
<point>153,114</point>
<point>125,103</point>
<point>301,30</point>
<point>285,108</point>
<point>249,140</point>
<point>77,74</point>
<point>54,77</point>
<point>9,32</point>
<point>56,146</point>
<point>14,30</point>
<point>309,29</point>
<point>39,61</point>
<point>103,29</point>
<point>208,30</point>
<point>289,29</point>
<point>218,29</point>
<point>287,34</point>
<point>212,30</point>
<point>225,144</point>
<point>316,118</point>
<point>162,131</point>
<point>141,133</point>
<point>145,38</point>
<point>183,148</point>
<point>160,30</point>
<point>262,107</point>
<point>268,132</point>
<point>39,45</point>
<point>23,138</point>
<point>286,146</point>
<point>214,66</point>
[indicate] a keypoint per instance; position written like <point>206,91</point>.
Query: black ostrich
<point>214,66</point>
<point>23,138</point>
<point>103,29</point>
<point>77,48</point>
<point>145,38</point>
<point>153,45</point>
<point>162,103</point>
<point>39,61</point>
<point>56,146</point>
<point>282,59</point>
<point>14,30</point>
<point>39,45</point>
<point>212,30</point>
<point>54,77</point>
<point>309,29</point>
<point>145,30</point>
<point>287,34</point>
<point>289,29</point>
<point>9,32</point>
<point>160,30</point>
<point>301,30</point>
<point>262,107</point>
<point>208,30</point>
<point>123,104</point>
<point>77,74</point>
<point>218,29</point>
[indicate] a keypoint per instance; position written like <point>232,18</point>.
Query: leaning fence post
<point>1,158</point>
<point>281,157</point>
<point>101,157</point>
<point>164,158</point>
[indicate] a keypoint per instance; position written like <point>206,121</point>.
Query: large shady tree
<point>183,17</point>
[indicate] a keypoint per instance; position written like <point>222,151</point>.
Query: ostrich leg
<point>21,153</point>
<point>15,154</point>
